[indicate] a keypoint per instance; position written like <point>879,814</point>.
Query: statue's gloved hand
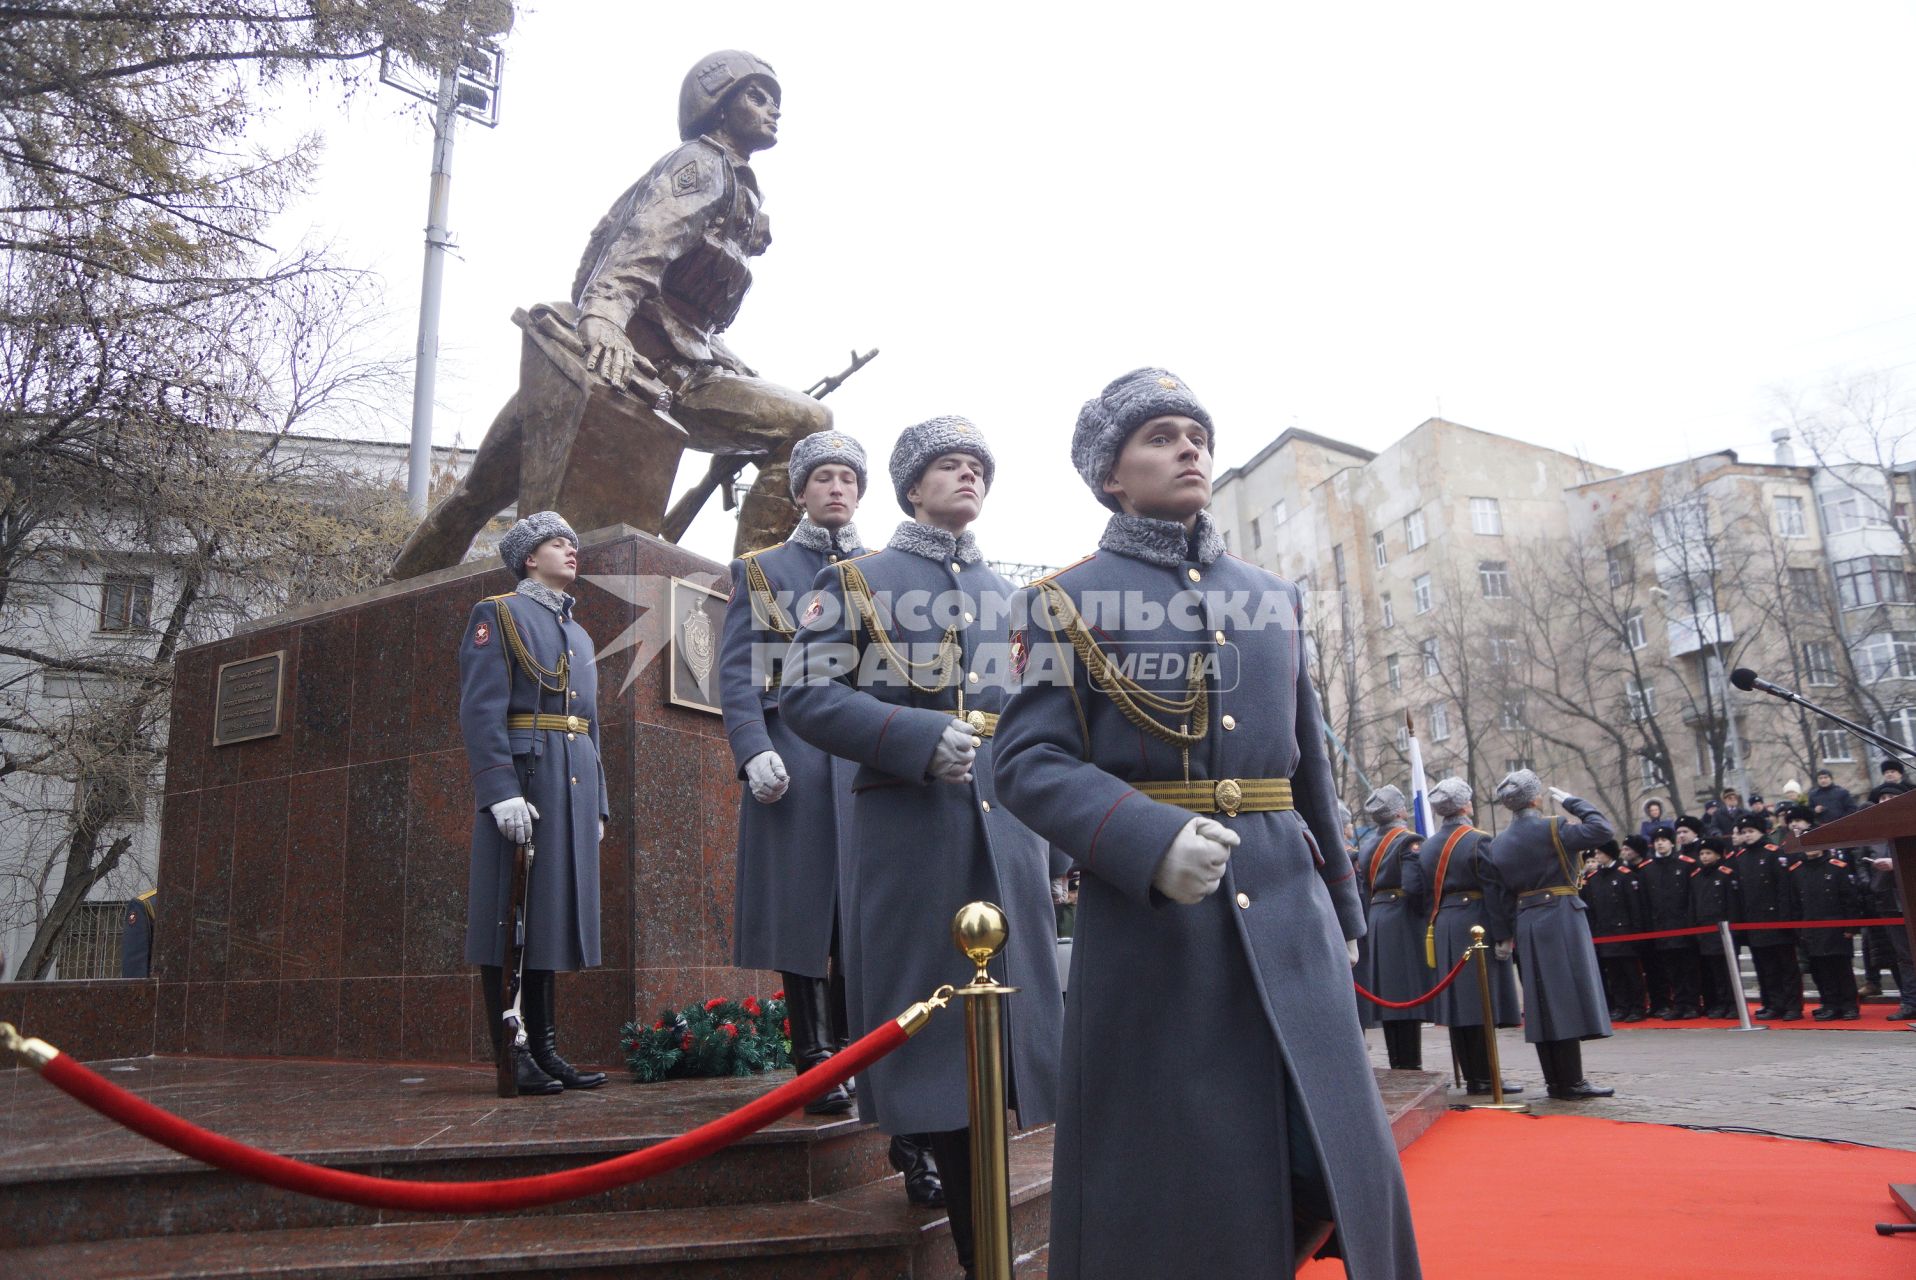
<point>1350,949</point>
<point>608,352</point>
<point>952,758</point>
<point>515,818</point>
<point>765,773</point>
<point>1193,867</point>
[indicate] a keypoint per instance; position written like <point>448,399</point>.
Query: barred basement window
<point>90,947</point>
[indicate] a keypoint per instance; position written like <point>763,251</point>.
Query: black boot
<point>952,1150</point>
<point>514,1070</point>
<point>841,1019</point>
<point>808,1005</point>
<point>1404,1042</point>
<point>542,1034</point>
<point>1475,1058</point>
<point>1569,1084</point>
<point>911,1155</point>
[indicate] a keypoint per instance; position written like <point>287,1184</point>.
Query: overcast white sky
<point>1609,229</point>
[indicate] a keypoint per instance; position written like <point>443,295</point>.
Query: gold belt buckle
<point>1229,796</point>
<point>976,719</point>
<point>575,724</point>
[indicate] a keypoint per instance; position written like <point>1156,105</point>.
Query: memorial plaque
<point>246,699</point>
<point>698,619</point>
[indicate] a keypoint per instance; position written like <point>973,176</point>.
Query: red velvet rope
<point>1748,926</point>
<point>499,1196</point>
<point>1431,994</point>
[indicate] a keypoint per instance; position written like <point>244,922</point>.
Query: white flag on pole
<point>1419,789</point>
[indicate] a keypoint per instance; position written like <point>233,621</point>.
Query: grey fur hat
<point>918,446</point>
<point>815,450</point>
<point>1108,419</point>
<point>524,537</point>
<point>1518,789</point>
<point>1385,802</point>
<point>1449,797</point>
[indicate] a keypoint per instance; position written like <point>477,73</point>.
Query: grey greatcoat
<point>1459,902</point>
<point>789,851</point>
<point>1530,861</point>
<point>557,772</point>
<point>920,849</point>
<point>1390,959</point>
<point>1207,1047</point>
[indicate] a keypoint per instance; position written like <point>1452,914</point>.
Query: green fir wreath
<point>722,1037</point>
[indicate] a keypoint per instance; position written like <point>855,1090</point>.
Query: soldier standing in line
<point>1167,736</point>
<point>1530,895</point>
<point>1763,897</point>
<point>900,664</point>
<point>1390,955</point>
<point>1825,889</point>
<point>1614,894</point>
<point>528,708</point>
<point>1447,875</point>
<point>785,913</point>
<point>1713,900</point>
<point>1666,884</point>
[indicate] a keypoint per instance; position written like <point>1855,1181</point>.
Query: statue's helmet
<point>709,82</point>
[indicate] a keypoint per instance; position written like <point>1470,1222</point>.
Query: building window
<point>1642,698</point>
<point>1819,662</point>
<point>1503,648</point>
<point>1514,763</point>
<point>1403,738</point>
<point>1510,711</point>
<point>1899,512</point>
<point>1847,509</point>
<point>1390,614</point>
<point>1651,772</point>
<point>1620,564</point>
<point>1494,577</point>
<point>1706,758</point>
<point>1485,518</point>
<point>1414,530</point>
<point>1901,726</point>
<point>126,601</point>
<point>1832,746</point>
<point>1633,637</point>
<point>1420,592</point>
<point>1429,650</point>
<point>1869,580</point>
<point>1885,656</point>
<point>1257,534</point>
<point>1377,552</point>
<point>1790,517</point>
<point>90,947</point>
<point>1806,588</point>
<point>1439,722</point>
<point>1337,565</point>
<point>106,796</point>
<point>1279,513</point>
<point>1393,674</point>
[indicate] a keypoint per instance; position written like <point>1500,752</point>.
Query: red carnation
<point>685,1044</point>
<point>714,1003</point>
<point>779,994</point>
<point>659,1025</point>
<point>729,1029</point>
<point>752,1006</point>
<point>786,1027</point>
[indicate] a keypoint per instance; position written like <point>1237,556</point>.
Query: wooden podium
<point>1891,823</point>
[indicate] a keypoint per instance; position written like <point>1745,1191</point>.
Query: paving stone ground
<point>1847,1086</point>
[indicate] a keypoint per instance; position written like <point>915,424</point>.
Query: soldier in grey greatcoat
<point>785,911</point>
<point>1390,957</point>
<point>1447,877</point>
<point>1219,1116</point>
<point>528,709</point>
<point>900,665</point>
<point>1531,895</point>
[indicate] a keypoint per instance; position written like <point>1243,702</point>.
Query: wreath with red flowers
<point>722,1037</point>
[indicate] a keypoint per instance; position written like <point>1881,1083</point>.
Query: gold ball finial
<point>1476,933</point>
<point>980,930</point>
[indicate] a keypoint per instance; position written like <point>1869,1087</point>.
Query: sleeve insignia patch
<point>482,635</point>
<point>813,612</point>
<point>686,179</point>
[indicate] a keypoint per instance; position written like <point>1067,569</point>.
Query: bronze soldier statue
<point>663,274</point>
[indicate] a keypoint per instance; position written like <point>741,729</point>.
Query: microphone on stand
<point>1750,682</point>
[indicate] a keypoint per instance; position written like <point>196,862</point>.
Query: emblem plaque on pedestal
<point>246,698</point>
<point>698,615</point>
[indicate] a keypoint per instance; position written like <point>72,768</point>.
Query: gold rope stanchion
<point>1478,948</point>
<point>980,930</point>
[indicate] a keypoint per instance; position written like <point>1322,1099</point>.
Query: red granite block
<point>275,756</point>
<point>440,617</point>
<point>222,764</point>
<point>323,697</point>
<point>111,1018</point>
<point>615,851</point>
<point>314,902</point>
<point>204,1027</point>
<point>370,1013</point>
<point>438,854</point>
<point>190,726</point>
<point>667,862</point>
<point>257,939</point>
<point>252,1018</point>
<point>374,908</point>
<point>179,840</point>
<point>382,679</point>
<point>209,945</point>
<point>308,1018</point>
<point>169,1018</point>
<point>592,1006</point>
<point>436,1017</point>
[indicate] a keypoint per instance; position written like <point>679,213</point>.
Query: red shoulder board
<point>1625,870</point>
<point>1684,857</point>
<point>1796,866</point>
<point>1726,871</point>
<point>1838,862</point>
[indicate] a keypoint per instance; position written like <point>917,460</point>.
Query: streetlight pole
<point>426,353</point>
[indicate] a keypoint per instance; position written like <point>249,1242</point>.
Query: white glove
<point>765,773</point>
<point>1193,867</point>
<point>1503,949</point>
<point>1559,794</point>
<point>952,758</point>
<point>601,830</point>
<point>515,818</point>
<point>1350,947</point>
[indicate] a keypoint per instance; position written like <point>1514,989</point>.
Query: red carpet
<point>1567,1198</point>
<point>1873,1019</point>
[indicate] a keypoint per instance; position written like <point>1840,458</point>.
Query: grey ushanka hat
<point>1385,802</point>
<point>917,446</point>
<point>1518,789</point>
<point>1126,404</point>
<point>522,538</point>
<point>1448,798</point>
<point>815,450</point>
